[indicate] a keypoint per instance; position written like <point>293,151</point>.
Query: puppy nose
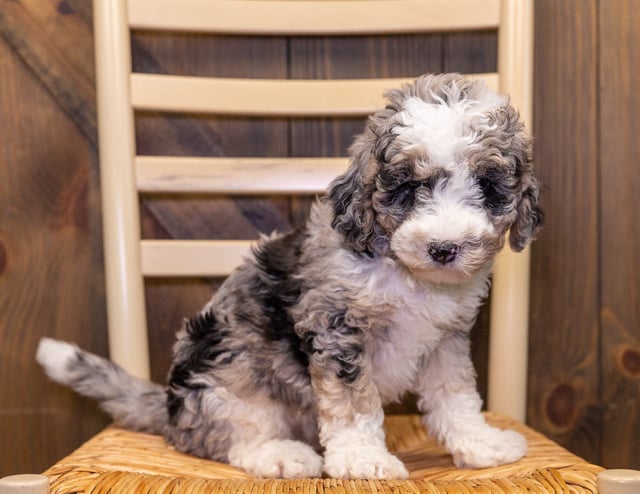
<point>443,252</point>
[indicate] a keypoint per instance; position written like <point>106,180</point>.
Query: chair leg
<point>619,481</point>
<point>24,484</point>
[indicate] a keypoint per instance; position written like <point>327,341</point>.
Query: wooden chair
<point>119,460</point>
<point>124,174</point>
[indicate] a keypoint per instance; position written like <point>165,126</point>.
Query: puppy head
<point>437,180</point>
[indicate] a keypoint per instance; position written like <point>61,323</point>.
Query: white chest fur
<point>414,318</point>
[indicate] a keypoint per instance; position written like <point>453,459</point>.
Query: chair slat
<point>268,17</point>
<point>507,381</point>
<point>265,97</point>
<point>258,97</point>
<point>189,258</point>
<point>237,175</point>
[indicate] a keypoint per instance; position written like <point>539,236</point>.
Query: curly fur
<point>285,371</point>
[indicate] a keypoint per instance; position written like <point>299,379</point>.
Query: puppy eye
<point>404,194</point>
<point>495,198</point>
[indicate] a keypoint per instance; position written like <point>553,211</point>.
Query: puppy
<point>285,371</point>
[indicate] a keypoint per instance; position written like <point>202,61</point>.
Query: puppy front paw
<point>490,448</point>
<point>364,463</point>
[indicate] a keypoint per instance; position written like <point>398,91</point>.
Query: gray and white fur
<point>285,371</point>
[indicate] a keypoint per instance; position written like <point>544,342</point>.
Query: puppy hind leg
<point>262,443</point>
<point>276,458</point>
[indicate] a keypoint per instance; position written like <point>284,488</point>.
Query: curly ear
<point>351,194</point>
<point>530,216</point>
<point>515,144</point>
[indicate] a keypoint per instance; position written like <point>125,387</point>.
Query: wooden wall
<point>564,398</point>
<point>619,248</point>
<point>585,353</point>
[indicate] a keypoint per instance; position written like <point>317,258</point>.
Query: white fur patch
<point>277,458</point>
<point>442,131</point>
<point>488,446</point>
<point>436,128</point>
<point>358,451</point>
<point>54,356</point>
<point>420,313</point>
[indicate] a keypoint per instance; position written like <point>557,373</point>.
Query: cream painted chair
<point>124,174</point>
<point>132,462</point>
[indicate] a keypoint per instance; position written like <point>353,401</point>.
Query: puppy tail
<point>133,403</point>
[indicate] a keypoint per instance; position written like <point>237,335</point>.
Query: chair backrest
<point>124,174</point>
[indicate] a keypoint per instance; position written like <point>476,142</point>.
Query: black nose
<point>443,252</point>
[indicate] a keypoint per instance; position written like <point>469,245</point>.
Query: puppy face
<point>438,179</point>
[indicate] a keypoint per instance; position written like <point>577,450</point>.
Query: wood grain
<point>314,17</point>
<point>620,231</point>
<point>563,385</point>
<point>44,45</point>
<point>51,283</point>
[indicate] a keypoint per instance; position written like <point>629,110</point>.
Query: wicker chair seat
<point>117,460</point>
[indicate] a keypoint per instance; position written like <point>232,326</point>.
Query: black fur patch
<point>398,190</point>
<point>498,189</point>
<point>350,203</point>
<point>278,290</point>
<point>345,347</point>
<point>174,406</point>
<point>205,337</point>
<point>349,360</point>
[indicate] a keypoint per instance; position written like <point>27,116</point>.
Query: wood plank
<point>192,258</point>
<point>563,397</point>
<point>619,57</point>
<point>51,280</point>
<point>257,97</point>
<point>237,175</point>
<point>265,97</point>
<point>81,8</point>
<point>63,24</point>
<point>470,53</point>
<point>314,17</point>
<point>67,82</point>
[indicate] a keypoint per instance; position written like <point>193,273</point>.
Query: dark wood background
<point>585,313</point>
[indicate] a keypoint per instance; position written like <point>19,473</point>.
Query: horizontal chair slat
<point>259,97</point>
<point>191,258</point>
<point>237,175</point>
<point>288,17</point>
<point>265,97</point>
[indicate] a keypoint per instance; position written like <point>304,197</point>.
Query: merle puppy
<point>285,371</point>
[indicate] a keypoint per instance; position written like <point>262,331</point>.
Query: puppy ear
<point>351,194</point>
<point>530,216</point>
<point>515,144</point>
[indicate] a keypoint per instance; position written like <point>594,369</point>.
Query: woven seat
<point>123,461</point>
